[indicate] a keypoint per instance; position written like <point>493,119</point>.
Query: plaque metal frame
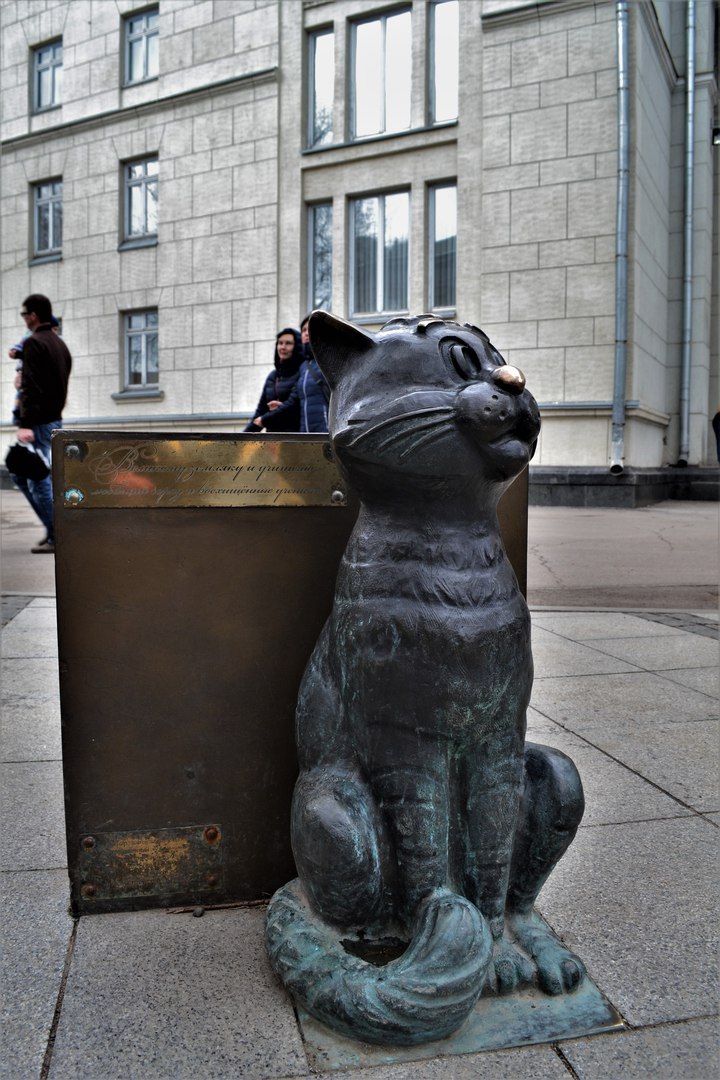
<point>184,626</point>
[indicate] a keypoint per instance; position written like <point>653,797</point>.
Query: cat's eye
<point>464,361</point>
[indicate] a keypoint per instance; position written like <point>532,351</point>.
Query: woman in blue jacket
<point>278,408</point>
<point>311,390</point>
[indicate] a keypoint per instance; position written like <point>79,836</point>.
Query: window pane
<point>137,216</point>
<point>322,89</point>
<point>57,221</point>
<point>136,321</point>
<point>365,254</point>
<point>57,93</point>
<point>151,318</point>
<point>397,72</point>
<point>44,88</point>
<point>135,359</point>
<point>369,80</point>
<point>396,252</point>
<point>443,254</point>
<point>151,357</point>
<point>135,61</point>
<point>43,228</point>
<point>152,207</point>
<point>153,56</point>
<point>445,61</point>
<point>136,170</point>
<point>321,257</point>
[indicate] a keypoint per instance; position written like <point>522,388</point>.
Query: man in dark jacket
<point>45,372</point>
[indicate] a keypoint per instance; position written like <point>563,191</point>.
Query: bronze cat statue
<point>423,824</point>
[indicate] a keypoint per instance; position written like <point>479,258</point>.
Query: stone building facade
<point>183,178</point>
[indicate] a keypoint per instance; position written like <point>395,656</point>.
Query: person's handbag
<point>27,462</point>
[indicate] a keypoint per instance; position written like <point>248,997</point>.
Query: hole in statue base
<point>496,1023</point>
<point>378,952</point>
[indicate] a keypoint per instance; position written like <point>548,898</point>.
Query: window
<point>320,219</point>
<point>321,64</point>
<point>444,40</point>
<point>381,63</point>
<point>141,47</point>
<point>47,76</point>
<point>442,256</point>
<point>47,219</point>
<point>141,350</point>
<point>141,199</point>
<point>379,258</point>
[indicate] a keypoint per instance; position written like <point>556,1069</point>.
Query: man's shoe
<point>45,547</point>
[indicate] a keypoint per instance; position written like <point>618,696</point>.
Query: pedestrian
<point>313,392</point>
<point>274,411</point>
<point>46,365</point>
<point>15,352</point>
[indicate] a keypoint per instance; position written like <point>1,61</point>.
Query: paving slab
<point>31,731</point>
<point>555,655</point>
<point>669,1052</point>
<point>633,697</point>
<point>638,903</point>
<point>663,653</point>
<point>33,816</point>
<point>30,679</point>
<point>36,933</point>
<point>596,625</point>
<point>172,997</point>
<point>706,680</point>
<point>20,641</point>
<point>533,1063</point>
<point>614,793</point>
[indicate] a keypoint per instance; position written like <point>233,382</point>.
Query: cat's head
<point>429,400</point>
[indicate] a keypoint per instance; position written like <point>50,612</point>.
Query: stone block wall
<point>548,218</point>
<point>211,119</point>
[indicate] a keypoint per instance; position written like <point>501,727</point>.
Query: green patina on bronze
<point>420,816</point>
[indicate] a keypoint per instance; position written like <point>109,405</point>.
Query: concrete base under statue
<point>524,1018</point>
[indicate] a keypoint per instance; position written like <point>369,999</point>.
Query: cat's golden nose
<point>510,378</point>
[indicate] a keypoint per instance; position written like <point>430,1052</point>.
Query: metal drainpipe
<point>621,239</point>
<point>688,238</point>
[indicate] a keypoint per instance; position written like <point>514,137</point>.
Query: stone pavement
<point>631,695</point>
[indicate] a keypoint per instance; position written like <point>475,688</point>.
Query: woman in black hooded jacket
<point>274,412</point>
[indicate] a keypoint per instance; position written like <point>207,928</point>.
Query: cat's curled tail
<point>423,995</point>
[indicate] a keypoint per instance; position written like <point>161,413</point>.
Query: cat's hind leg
<point>339,844</point>
<point>551,808</point>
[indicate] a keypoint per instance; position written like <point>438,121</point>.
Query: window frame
<point>144,35</point>
<point>312,38</point>
<point>54,198</point>
<point>53,66</point>
<point>444,309</point>
<point>147,237</point>
<point>380,312</point>
<point>381,17</point>
<point>433,121</point>
<point>143,387</point>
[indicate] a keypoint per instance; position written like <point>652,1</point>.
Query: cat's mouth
<point>497,416</point>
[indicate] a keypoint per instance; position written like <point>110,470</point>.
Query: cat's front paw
<point>558,970</point>
<point>509,969</point>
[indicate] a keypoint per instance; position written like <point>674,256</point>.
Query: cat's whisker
<point>415,432</point>
<point>447,410</point>
<point>438,431</point>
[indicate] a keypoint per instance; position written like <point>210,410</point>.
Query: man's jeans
<point>39,492</point>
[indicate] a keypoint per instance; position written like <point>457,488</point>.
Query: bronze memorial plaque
<point>194,575</point>
<point>248,471</point>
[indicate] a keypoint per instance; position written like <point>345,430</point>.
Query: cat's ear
<point>335,342</point>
